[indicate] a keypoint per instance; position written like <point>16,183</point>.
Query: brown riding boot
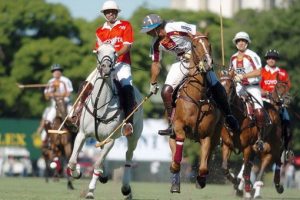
<point>166,94</point>
<point>260,122</point>
<point>72,124</point>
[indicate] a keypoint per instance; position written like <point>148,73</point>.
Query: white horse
<point>100,117</point>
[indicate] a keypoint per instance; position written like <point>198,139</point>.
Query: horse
<point>100,116</point>
<point>245,143</point>
<point>59,146</point>
<point>196,116</point>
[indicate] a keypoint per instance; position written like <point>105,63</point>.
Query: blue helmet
<point>150,22</point>
<point>55,67</point>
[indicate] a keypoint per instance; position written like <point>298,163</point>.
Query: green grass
<point>38,189</point>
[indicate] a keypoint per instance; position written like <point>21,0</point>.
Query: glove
<point>238,78</point>
<point>154,88</point>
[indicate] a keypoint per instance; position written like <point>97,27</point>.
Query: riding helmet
<point>272,53</point>
<point>150,22</point>
<point>56,67</point>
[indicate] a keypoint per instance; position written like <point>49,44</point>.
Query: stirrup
<point>166,132</point>
<point>127,129</point>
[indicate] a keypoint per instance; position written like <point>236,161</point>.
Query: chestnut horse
<point>196,116</point>
<point>58,148</point>
<point>245,142</point>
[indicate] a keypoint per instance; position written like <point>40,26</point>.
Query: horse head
<point>226,79</point>
<point>201,53</point>
<point>106,58</point>
<point>280,95</point>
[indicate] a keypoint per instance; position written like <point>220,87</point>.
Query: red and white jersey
<point>176,41</point>
<point>271,75</point>
<point>121,33</point>
<point>246,63</point>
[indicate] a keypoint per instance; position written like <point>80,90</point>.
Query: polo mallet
<point>22,86</point>
<point>222,37</point>
<point>59,131</point>
<point>100,144</point>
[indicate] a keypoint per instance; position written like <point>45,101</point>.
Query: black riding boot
<point>73,123</point>
<point>166,94</point>
<point>220,97</point>
<point>129,99</point>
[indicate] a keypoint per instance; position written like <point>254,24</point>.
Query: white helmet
<point>241,35</point>
<point>110,5</point>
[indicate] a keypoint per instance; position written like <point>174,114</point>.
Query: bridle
<point>202,59</point>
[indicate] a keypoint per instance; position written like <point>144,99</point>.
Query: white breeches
<point>254,90</point>
<point>176,73</point>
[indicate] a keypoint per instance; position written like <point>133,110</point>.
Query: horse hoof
<point>126,190</point>
<point>89,195</point>
<point>201,182</point>
<point>71,173</point>
<point>103,179</point>
<point>279,189</point>
<point>258,197</point>
<point>239,193</point>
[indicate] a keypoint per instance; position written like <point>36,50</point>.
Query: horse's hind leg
<point>99,173</point>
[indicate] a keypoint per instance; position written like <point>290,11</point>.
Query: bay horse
<point>58,147</point>
<point>100,116</point>
<point>245,142</point>
<point>197,116</point>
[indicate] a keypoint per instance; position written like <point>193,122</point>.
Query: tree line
<point>36,34</point>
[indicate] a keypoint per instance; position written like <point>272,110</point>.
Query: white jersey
<point>246,63</point>
<point>176,41</point>
<point>64,86</point>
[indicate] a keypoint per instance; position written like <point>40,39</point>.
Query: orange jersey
<point>121,33</point>
<point>270,77</point>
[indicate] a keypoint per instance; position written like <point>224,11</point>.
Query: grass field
<point>37,189</point>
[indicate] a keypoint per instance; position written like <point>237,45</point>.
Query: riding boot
<point>72,123</point>
<point>166,94</point>
<point>129,99</point>
<point>260,122</point>
<point>220,97</point>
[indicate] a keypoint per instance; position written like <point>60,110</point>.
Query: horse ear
<point>206,33</point>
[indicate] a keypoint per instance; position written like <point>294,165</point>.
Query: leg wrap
<point>179,150</point>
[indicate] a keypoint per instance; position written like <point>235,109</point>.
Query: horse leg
<point>68,151</point>
<point>99,173</point>
<point>177,157</point>
<point>205,150</point>
<point>259,183</point>
<point>226,152</point>
<point>132,143</point>
<point>71,169</point>
<point>278,186</point>
<point>247,171</point>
